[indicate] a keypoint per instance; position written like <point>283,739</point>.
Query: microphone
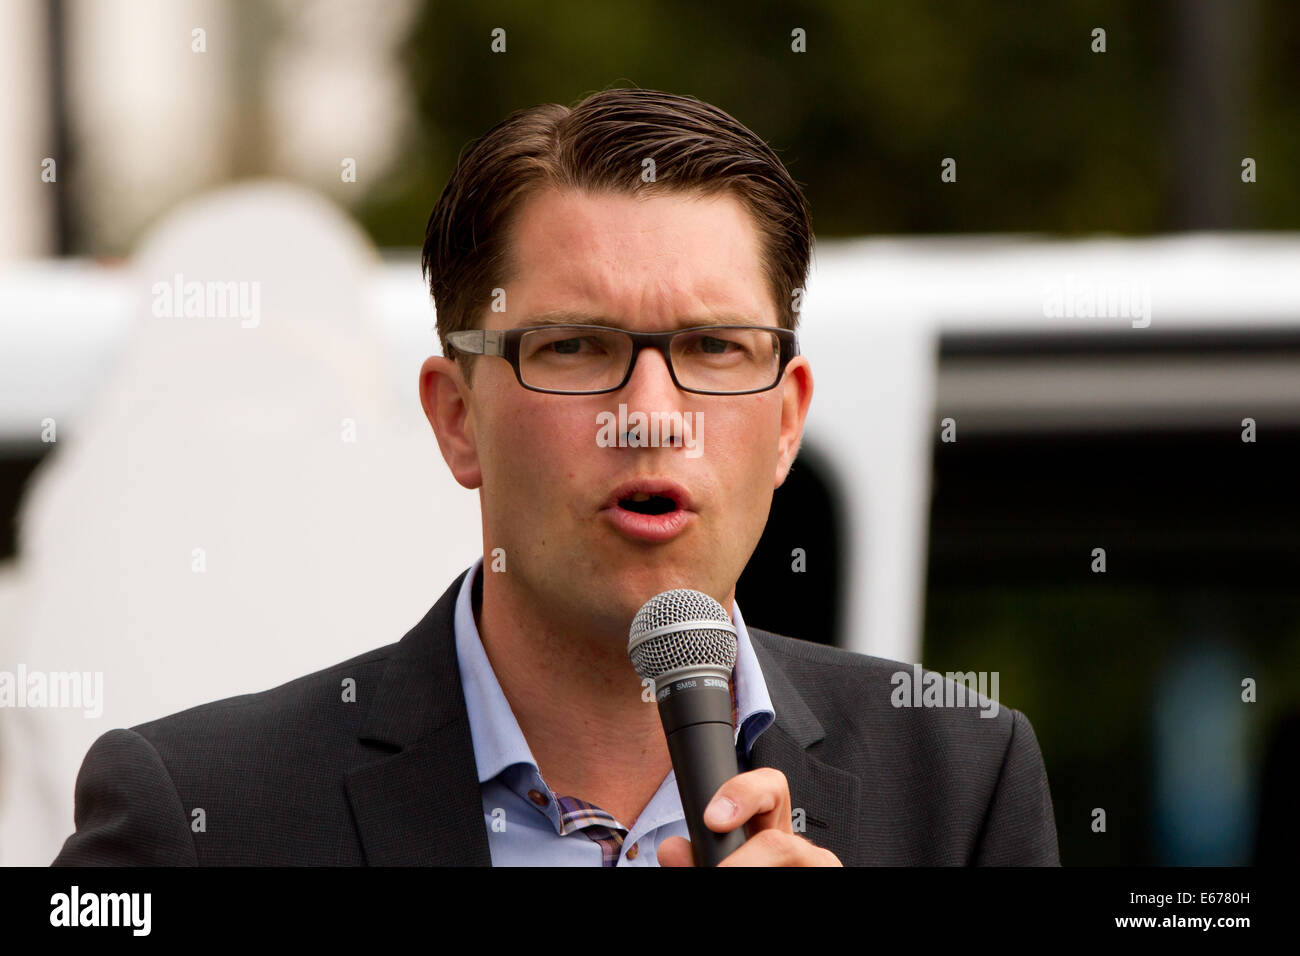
<point>685,643</point>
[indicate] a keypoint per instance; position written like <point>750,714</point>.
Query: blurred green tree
<point>1049,136</point>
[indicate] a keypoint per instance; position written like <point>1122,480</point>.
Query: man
<point>508,727</point>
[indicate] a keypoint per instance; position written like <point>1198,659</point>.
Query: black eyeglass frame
<point>505,343</point>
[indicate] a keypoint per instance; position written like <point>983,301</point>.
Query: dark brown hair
<point>601,144</point>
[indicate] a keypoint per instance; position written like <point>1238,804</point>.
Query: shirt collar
<point>498,741</point>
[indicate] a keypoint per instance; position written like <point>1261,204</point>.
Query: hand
<point>761,797</point>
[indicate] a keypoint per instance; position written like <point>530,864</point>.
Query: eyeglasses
<point>589,359</point>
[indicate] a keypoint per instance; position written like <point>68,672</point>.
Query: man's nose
<point>651,386</point>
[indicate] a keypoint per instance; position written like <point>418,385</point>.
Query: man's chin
<point>630,573</point>
<point>637,583</point>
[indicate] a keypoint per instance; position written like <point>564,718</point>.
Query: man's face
<point>649,264</point>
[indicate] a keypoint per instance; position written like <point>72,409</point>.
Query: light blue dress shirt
<point>521,833</point>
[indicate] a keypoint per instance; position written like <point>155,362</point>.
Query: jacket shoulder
<point>863,697</point>
<point>251,779</point>
<point>935,747</point>
<point>320,702</point>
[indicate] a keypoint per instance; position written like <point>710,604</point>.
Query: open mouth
<point>650,510</point>
<point>648,504</point>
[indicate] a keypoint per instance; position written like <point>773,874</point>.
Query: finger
<point>675,851</point>
<point>778,848</point>
<point>761,797</point>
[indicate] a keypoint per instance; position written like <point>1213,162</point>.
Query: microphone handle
<point>710,751</point>
<point>695,710</point>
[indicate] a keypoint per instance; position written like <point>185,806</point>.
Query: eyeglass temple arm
<point>479,341</point>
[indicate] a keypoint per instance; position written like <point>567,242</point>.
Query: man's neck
<point>577,700</point>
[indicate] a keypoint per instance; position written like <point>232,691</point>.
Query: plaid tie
<point>598,825</point>
<point>595,823</point>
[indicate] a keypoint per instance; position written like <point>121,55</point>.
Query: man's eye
<point>565,346</point>
<point>712,345</point>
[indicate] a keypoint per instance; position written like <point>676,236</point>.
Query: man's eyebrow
<point>591,318</point>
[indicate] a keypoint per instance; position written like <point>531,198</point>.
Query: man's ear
<point>447,403</point>
<point>796,395</point>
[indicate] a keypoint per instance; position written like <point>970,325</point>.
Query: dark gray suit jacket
<point>295,775</point>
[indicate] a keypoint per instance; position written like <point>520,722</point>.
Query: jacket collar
<point>418,803</point>
<point>414,798</point>
<point>829,797</point>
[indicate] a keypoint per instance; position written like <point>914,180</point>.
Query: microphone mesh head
<point>696,645</point>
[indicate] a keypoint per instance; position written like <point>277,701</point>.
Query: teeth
<point>641,496</point>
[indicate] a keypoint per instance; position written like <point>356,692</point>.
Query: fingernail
<point>720,810</point>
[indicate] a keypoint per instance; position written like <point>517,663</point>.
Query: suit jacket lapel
<point>417,800</point>
<point>829,797</point>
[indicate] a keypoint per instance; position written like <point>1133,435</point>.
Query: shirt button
<point>537,797</point>
<point>631,854</point>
